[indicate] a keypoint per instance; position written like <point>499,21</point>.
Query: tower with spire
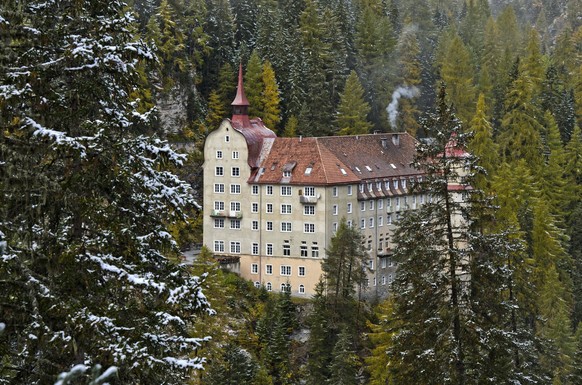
<point>240,104</point>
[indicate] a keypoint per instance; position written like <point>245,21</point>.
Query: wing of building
<point>271,205</point>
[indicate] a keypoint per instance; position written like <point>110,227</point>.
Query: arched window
<point>301,289</point>
<point>269,286</point>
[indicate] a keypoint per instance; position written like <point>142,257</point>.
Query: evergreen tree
<point>450,307</point>
<point>520,137</point>
<point>345,363</point>
<point>380,336</point>
<point>408,53</point>
<point>86,199</point>
<point>482,144</point>
<point>353,108</point>
<point>216,111</point>
<point>291,127</point>
<point>270,98</point>
<point>236,367</point>
<point>254,86</point>
<point>457,72</point>
<point>320,339</point>
<point>226,90</point>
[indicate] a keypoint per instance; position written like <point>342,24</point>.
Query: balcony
<point>309,199</point>
<point>218,213</point>
<point>235,214</point>
<point>226,214</point>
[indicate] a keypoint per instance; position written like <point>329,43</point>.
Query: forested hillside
<point>90,208</point>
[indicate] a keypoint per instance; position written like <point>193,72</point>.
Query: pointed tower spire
<point>240,104</point>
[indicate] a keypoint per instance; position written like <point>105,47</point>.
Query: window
<point>285,270</point>
<point>389,219</point>
<point>349,223</point>
<point>269,269</point>
<point>397,203</point>
<point>235,224</point>
<point>218,154</point>
<point>219,205</point>
<point>380,221</point>
<point>378,186</point>
<point>334,209</point>
<point>304,250</point>
<point>314,251</point>
<point>257,284</point>
<point>285,209</point>
<point>269,190</point>
<point>234,206</point>
<point>334,191</point>
<point>227,138</point>
<point>370,186</point>
<point>254,207</point>
<point>403,182</point>
<point>395,183</point>
<point>361,188</point>
<point>269,226</point>
<point>301,271</point>
<point>255,190</point>
<point>286,227</point>
<point>235,188</point>
<point>362,223</point>
<point>387,185</point>
<point>383,280</point>
<point>269,286</point>
<point>380,204</point>
<point>219,246</point>
<point>255,248</point>
<point>334,227</point>
<point>285,287</point>
<point>301,289</point>
<point>384,262</point>
<point>218,223</point>
<point>388,202</point>
<point>286,174</point>
<point>286,250</point>
<point>309,191</point>
<point>349,190</point>
<point>390,278</point>
<point>309,210</point>
<point>371,223</point>
<point>235,155</point>
<point>235,171</point>
<point>286,190</point>
<point>371,205</point>
<point>371,264</point>
<point>309,227</point>
<point>219,188</point>
<point>254,268</point>
<point>362,206</point>
<point>219,171</point>
<point>349,208</point>
<point>235,247</point>
<point>270,208</point>
<point>269,247</point>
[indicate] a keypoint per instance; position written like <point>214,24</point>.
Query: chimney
<point>384,142</point>
<point>396,140</point>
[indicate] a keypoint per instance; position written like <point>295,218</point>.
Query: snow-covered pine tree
<point>452,302</point>
<point>85,203</point>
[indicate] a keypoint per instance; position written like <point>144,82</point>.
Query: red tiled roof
<point>337,160</point>
<point>254,133</point>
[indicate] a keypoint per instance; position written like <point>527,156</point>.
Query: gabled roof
<point>337,159</point>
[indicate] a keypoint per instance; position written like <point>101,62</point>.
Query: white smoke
<point>400,92</point>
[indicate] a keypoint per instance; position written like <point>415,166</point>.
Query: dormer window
<point>370,186</point>
<point>286,174</point>
<point>308,170</point>
<point>403,183</point>
<point>395,184</point>
<point>361,188</point>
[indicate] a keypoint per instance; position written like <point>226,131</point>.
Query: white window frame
<point>235,224</point>
<point>269,269</point>
<point>219,171</point>
<point>235,172</point>
<point>349,208</point>
<point>285,270</point>
<point>334,210</point>
<point>235,188</point>
<point>314,251</point>
<point>269,190</point>
<point>309,228</point>
<point>254,268</point>
<point>235,245</point>
<point>309,191</point>
<point>350,190</point>
<point>235,206</point>
<point>269,249</point>
<point>309,210</point>
<point>235,155</point>
<point>254,207</point>
<point>334,191</point>
<point>301,289</point>
<point>286,250</point>
<point>218,154</point>
<point>286,208</point>
<point>286,191</point>
<point>304,251</point>
<point>301,271</point>
<point>286,227</point>
<point>219,246</point>
<point>255,225</point>
<point>219,188</point>
<point>219,205</point>
<point>363,223</point>
<point>269,226</point>
<point>254,189</point>
<point>219,223</point>
<point>269,208</point>
<point>255,248</point>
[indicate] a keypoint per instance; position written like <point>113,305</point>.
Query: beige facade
<point>271,205</point>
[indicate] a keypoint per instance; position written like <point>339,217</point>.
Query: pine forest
<point>104,109</point>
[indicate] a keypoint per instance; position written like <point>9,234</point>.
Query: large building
<point>272,205</point>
